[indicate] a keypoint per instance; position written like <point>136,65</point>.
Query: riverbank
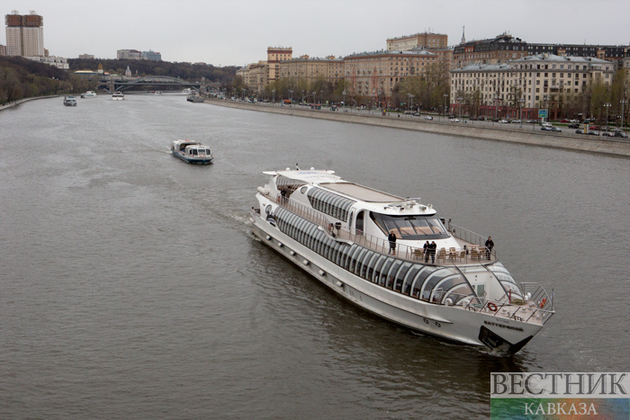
<point>477,130</point>
<point>21,101</point>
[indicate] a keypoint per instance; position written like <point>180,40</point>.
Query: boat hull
<point>194,160</point>
<point>451,323</point>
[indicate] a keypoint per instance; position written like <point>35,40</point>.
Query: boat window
<point>194,152</point>
<point>420,278</point>
<point>335,251</point>
<point>400,276</point>
<point>353,259</point>
<point>208,152</point>
<point>385,270</point>
<point>310,229</point>
<point>357,269</point>
<point>359,224</point>
<point>391,273</point>
<point>411,274</point>
<point>505,278</point>
<point>369,259</point>
<point>411,227</point>
<point>343,252</point>
<point>329,203</point>
<point>303,189</point>
<point>346,256</point>
<point>377,268</point>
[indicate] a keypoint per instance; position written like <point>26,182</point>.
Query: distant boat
<point>187,91</point>
<point>118,96</point>
<point>195,98</point>
<point>69,101</point>
<point>192,152</point>
<point>89,94</point>
<point>157,92</point>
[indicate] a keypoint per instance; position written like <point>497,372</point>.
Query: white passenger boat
<point>337,231</point>
<point>118,96</point>
<point>69,101</point>
<point>89,94</point>
<point>192,152</point>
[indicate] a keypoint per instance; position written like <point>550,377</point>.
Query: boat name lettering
<point>495,324</point>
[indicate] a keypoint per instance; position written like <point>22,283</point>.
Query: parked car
<point>416,114</point>
<point>481,118</point>
<point>516,121</point>
<point>453,119</point>
<point>620,134</point>
<point>503,121</point>
<point>574,125</point>
<point>428,117</point>
<point>550,128</point>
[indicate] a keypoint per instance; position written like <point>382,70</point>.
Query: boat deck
<point>469,252</point>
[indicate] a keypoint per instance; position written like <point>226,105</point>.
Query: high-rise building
<point>25,35</point>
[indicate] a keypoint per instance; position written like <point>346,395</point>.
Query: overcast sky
<point>238,32</point>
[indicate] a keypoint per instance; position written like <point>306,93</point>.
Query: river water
<point>132,287</point>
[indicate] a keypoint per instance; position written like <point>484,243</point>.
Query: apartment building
<point>425,40</point>
<point>498,50</point>
<point>274,56</point>
<point>376,73</point>
<point>25,35</point>
<point>532,82</point>
<point>310,69</point>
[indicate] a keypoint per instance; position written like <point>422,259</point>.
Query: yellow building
<point>425,40</point>
<point>310,69</point>
<point>274,56</point>
<point>376,73</point>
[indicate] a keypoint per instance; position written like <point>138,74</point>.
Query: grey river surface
<point>131,286</point>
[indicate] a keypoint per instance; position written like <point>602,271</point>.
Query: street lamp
<point>459,106</point>
<point>445,96</point>
<point>321,100</point>
<point>410,101</point>
<point>623,102</point>
<point>546,99</point>
<point>291,95</point>
<point>273,91</point>
<point>521,102</point>
<point>344,100</point>
<point>607,105</point>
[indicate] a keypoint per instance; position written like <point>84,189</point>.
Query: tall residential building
<point>274,56</point>
<point>426,40</point>
<point>377,73</point>
<point>25,35</point>
<point>497,50</point>
<point>533,82</point>
<point>310,69</point>
<point>152,55</point>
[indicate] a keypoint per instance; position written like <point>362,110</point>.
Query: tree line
<point>22,78</point>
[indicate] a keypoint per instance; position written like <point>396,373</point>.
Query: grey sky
<point>238,32</point>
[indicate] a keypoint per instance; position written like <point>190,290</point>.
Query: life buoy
<point>492,306</point>
<point>542,302</point>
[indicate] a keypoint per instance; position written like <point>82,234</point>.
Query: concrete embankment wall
<point>527,135</point>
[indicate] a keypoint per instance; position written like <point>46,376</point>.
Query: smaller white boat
<point>192,152</point>
<point>69,101</point>
<point>157,92</point>
<point>118,96</point>
<point>89,94</point>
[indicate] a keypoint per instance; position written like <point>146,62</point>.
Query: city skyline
<point>226,33</point>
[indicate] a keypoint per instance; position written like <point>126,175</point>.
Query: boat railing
<point>453,256</point>
<point>468,236</point>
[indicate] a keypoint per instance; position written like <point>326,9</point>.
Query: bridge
<point>126,83</point>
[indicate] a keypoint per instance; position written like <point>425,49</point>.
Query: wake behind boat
<point>339,232</point>
<point>192,152</point>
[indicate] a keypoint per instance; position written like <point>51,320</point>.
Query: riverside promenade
<point>513,133</point>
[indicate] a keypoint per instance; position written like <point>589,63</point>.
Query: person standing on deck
<point>489,246</point>
<point>392,242</point>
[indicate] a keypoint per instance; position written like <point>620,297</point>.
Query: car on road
<point>573,125</point>
<point>551,128</point>
<point>428,117</point>
<point>516,121</point>
<point>453,119</point>
<point>503,121</point>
